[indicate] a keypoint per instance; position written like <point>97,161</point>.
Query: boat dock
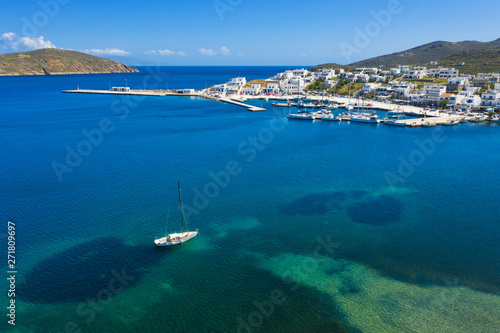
<point>161,93</point>
<point>248,106</point>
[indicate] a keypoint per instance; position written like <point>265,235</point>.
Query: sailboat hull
<point>176,238</point>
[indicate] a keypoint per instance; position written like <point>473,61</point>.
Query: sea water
<point>303,226</point>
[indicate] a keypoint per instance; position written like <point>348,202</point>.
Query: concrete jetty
<point>161,93</point>
<point>248,106</point>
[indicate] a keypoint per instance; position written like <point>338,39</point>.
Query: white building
<point>325,73</point>
<point>254,89</point>
<point>273,87</point>
<point>448,72</point>
<point>395,71</point>
<point>370,87</point>
<point>404,68</point>
<point>300,72</point>
<point>417,73</point>
<point>468,100</point>
<point>434,92</point>
<point>123,89</point>
<point>237,81</point>
<point>490,98</point>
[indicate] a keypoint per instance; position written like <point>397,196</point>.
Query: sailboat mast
<point>180,206</point>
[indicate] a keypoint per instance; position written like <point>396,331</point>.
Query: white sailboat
<point>179,237</point>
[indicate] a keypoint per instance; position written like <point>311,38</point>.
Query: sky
<point>242,32</point>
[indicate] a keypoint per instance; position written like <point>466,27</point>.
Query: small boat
<point>362,118</point>
<point>330,117</point>
<point>477,119</point>
<point>428,124</point>
<point>301,116</point>
<point>451,123</point>
<point>179,237</point>
<point>346,116</point>
<point>394,122</point>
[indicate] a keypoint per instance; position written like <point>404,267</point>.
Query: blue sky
<point>242,32</point>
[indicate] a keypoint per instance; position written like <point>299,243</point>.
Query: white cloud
<point>225,51</point>
<point>166,52</point>
<point>206,52</point>
<point>8,36</point>
<point>36,43</point>
<point>240,54</point>
<point>107,51</point>
<point>10,41</point>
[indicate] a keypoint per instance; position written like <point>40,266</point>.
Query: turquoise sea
<point>304,226</point>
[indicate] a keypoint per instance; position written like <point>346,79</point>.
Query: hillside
<point>55,61</point>
<point>476,61</point>
<point>331,65</point>
<point>425,53</point>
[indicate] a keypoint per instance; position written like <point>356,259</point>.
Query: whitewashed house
<point>448,72</point>
<point>325,73</point>
<point>370,87</point>
<point>300,72</point>
<point>273,87</point>
<point>395,71</point>
<point>404,68</point>
<point>417,73</point>
<point>482,77</point>
<point>469,100</point>
<point>490,98</point>
<point>434,92</point>
<point>456,84</point>
<point>237,81</point>
<point>254,89</point>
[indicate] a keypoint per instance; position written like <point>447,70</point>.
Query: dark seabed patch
<point>321,203</point>
<point>382,210</point>
<point>311,204</point>
<point>356,195</point>
<point>97,269</point>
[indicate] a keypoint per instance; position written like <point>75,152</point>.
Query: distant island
<point>57,62</point>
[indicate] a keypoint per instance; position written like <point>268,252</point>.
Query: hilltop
<point>55,61</point>
<point>434,51</point>
<point>332,65</point>
<point>478,56</point>
<point>476,61</point>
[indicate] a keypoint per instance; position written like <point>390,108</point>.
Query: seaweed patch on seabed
<point>379,211</point>
<point>359,204</point>
<point>311,204</point>
<point>85,270</point>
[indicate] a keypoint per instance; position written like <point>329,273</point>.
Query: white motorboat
<point>361,118</point>
<point>301,116</point>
